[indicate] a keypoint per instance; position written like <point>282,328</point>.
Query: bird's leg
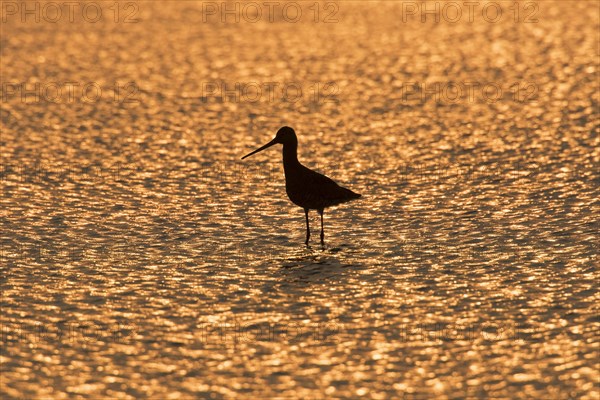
<point>307,226</point>
<point>322,231</point>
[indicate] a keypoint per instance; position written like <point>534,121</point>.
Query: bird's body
<point>307,188</point>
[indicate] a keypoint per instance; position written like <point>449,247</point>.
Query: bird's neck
<point>290,155</point>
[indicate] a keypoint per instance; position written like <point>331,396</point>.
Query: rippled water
<point>142,258</point>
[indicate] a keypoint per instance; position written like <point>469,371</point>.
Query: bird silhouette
<point>306,188</point>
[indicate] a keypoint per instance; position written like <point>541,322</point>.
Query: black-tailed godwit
<point>306,188</point>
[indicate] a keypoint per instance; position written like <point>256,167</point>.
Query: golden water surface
<point>142,258</point>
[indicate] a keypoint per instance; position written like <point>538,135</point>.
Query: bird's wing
<point>322,183</point>
<point>324,189</point>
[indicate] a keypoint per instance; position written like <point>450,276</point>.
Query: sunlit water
<point>142,257</point>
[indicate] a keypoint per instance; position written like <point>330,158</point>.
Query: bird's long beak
<point>266,146</point>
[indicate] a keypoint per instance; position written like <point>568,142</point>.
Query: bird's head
<point>284,136</point>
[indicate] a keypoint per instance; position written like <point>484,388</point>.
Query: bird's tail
<point>352,195</point>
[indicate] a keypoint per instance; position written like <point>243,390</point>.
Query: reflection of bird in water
<point>305,187</point>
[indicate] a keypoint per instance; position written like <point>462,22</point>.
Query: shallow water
<point>142,258</point>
